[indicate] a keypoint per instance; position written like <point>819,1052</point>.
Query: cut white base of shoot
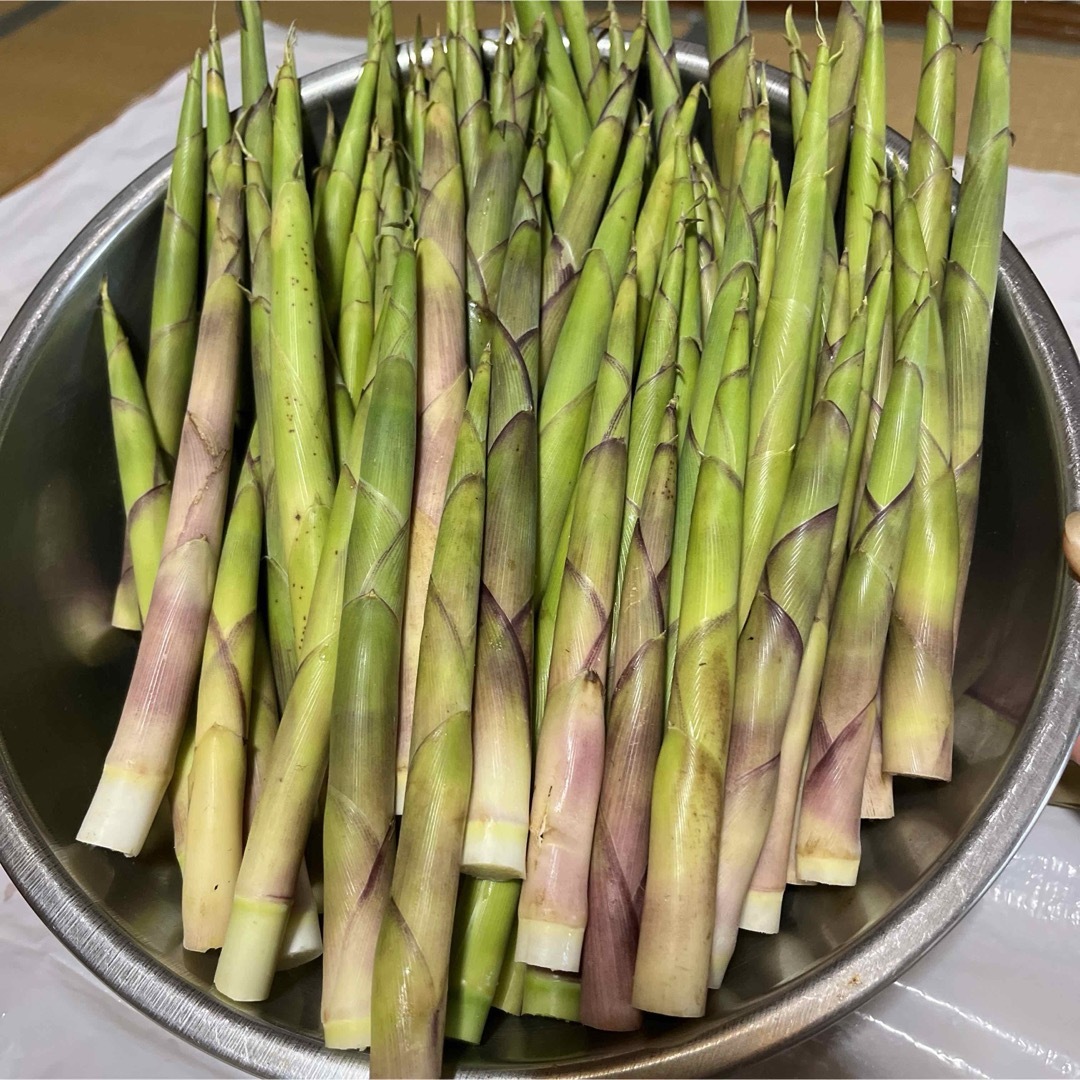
<point>670,997</point>
<point>881,809</point>
<point>495,850</point>
<point>347,1034</point>
<point>122,810</point>
<point>549,945</point>
<point>246,969</point>
<point>303,938</point>
<point>827,870</point>
<point>761,912</point>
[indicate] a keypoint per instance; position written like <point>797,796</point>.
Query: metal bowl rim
<point>796,1009</point>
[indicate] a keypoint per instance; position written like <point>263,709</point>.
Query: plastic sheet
<point>998,997</point>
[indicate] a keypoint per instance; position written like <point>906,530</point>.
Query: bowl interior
<point>65,670</point>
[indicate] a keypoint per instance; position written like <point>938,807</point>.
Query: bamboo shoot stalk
<point>654,230</point>
<point>709,269</point>
<point>971,277</point>
<point>866,161</point>
<point>359,823</point>
<point>215,824</point>
<point>483,922</point>
<point>499,97</point>
<point>387,91</point>
<point>390,237</point>
<point>708,260</point>
<point>356,328</point>
<point>125,609</point>
<point>877,792</point>
<point>338,399</point>
<point>302,941</point>
<point>716,212</point>
<point>772,643</point>
<point>576,224</point>
<point>498,816</point>
<point>798,82</point>
<point>545,619</point>
<point>326,167</point>
<point>413,949</point>
<point>218,132</point>
<point>681,209</point>
<point>775,866</point>
<point>557,174</point>
<point>616,39</point>
<point>779,373</point>
<point>261,725</point>
<point>510,989</point>
<point>910,261</point>
<point>442,366</point>
<point>916,688</point>
<point>828,842</point>
<point>253,72</point>
<point>665,82</point>
<point>415,92</point>
<point>635,721</point>
<point>739,272</point>
<point>567,105</point>
<point>848,42</point>
<point>880,240</point>
<point>839,321</point>
<point>648,237</point>
<point>655,384</point>
<point>553,907</point>
<point>551,993</point>
<point>688,352</point>
<point>761,909</point>
<point>682,123</point>
<point>333,226</point>
<point>933,138</point>
<point>770,237</point>
<point>453,18</point>
<point>729,48</point>
<point>823,311</point>
<point>143,481</point>
<point>268,873</point>
<point>313,854</point>
<point>672,966</point>
<point>471,103</point>
<point>180,790</point>
<point>568,391</point>
<point>259,139</point>
<point>492,199</point>
<point>300,422</point>
<point>592,75</point>
<point>744,133</point>
<point>174,319</point>
<point>140,761</point>
<point>415,126</point>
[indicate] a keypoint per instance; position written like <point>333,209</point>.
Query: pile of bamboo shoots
<point>593,559</point>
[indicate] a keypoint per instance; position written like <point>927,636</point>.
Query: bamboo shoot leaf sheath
<point>442,374</point>
<point>140,760</point>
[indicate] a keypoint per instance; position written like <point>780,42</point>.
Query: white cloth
<point>997,998</point>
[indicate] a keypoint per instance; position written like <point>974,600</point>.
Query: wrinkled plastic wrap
<point>1000,996</point>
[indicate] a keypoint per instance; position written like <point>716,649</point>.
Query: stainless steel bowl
<point>64,672</point>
